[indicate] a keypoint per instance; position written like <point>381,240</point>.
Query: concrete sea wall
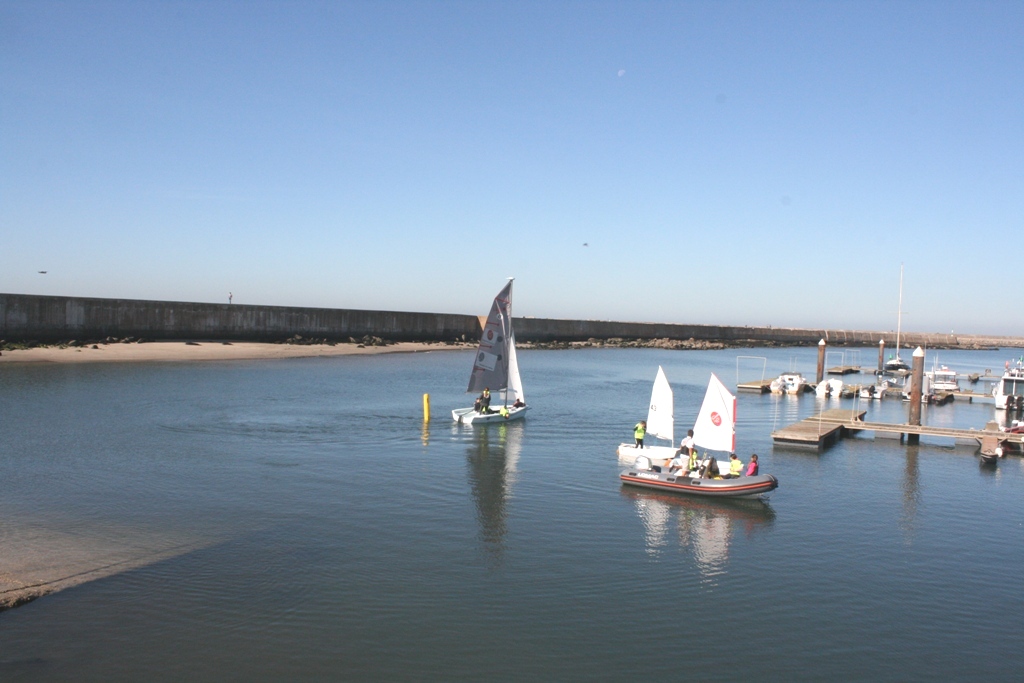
<point>25,317</point>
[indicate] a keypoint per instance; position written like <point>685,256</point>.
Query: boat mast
<point>506,331</point>
<point>899,315</point>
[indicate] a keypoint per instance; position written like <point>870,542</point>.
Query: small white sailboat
<point>660,424</point>
<point>896,365</point>
<point>495,367</point>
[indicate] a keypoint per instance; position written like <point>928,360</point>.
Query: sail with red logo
<point>715,428</point>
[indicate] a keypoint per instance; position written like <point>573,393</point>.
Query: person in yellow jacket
<point>735,467</point>
<point>639,431</point>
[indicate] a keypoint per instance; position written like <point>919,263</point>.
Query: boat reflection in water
<point>705,526</point>
<point>491,462</point>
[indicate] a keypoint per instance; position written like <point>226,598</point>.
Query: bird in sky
<point>585,244</point>
<point>41,272</point>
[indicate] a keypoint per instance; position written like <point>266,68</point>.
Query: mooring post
<point>426,408</point>
<point>881,355</point>
<point>821,362</point>
<point>916,384</point>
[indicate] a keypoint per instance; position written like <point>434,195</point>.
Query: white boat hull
<point>628,452</point>
<point>469,416</point>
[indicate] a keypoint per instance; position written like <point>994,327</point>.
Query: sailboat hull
<point>470,416</point>
<point>628,452</point>
<point>741,487</point>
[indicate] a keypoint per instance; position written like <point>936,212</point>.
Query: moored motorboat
<point>943,379</point>
<point>1009,390</point>
<point>829,388</point>
<point>788,383</point>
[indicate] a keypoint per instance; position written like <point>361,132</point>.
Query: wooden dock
<point>818,431</point>
<point>824,429</point>
<point>844,370</point>
<point>760,386</point>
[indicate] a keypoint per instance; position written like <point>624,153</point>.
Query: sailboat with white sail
<point>660,424</point>
<point>496,368</point>
<point>714,430</point>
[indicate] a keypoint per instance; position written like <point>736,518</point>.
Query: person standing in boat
<point>752,467</point>
<point>483,404</point>
<point>685,454</point>
<point>686,445</point>
<point>639,431</point>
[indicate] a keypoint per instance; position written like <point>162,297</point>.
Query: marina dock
<point>825,428</point>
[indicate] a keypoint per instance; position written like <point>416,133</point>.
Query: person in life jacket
<point>691,464</point>
<point>484,402</point>
<point>735,467</point>
<point>752,467</point>
<point>639,431</point>
<point>504,412</point>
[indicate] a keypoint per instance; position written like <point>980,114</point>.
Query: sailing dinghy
<point>495,367</point>
<point>660,424</point>
<point>714,430</point>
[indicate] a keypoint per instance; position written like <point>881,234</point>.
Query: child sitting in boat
<point>735,467</point>
<point>752,467</point>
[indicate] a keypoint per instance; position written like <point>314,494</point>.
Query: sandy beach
<point>179,351</point>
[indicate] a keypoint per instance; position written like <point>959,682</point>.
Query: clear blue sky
<point>747,163</point>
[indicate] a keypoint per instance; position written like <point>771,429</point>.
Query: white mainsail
<point>715,428</point>
<point>660,417</point>
<point>515,385</point>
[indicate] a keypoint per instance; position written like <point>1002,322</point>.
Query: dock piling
<point>916,389</point>
<point>821,362</point>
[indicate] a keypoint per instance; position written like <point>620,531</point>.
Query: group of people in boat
<point>482,404</point>
<point>686,459</point>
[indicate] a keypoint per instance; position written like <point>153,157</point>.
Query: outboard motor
<point>642,463</point>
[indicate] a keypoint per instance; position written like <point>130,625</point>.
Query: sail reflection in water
<point>705,527</point>
<point>491,464</point>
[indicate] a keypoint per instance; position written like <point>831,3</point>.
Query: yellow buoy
<point>426,407</point>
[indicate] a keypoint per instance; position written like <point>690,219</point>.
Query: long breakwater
<point>49,319</point>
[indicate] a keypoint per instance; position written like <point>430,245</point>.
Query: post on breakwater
<point>916,389</point>
<point>821,362</point>
<point>881,355</point>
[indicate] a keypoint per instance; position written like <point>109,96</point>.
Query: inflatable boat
<point>653,477</point>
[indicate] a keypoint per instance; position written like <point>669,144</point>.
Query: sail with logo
<point>496,369</point>
<point>715,428</point>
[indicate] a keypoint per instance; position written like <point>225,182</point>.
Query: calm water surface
<point>342,540</point>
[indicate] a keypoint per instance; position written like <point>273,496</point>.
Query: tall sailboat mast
<point>899,315</point>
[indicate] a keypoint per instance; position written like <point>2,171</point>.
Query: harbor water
<point>313,528</point>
